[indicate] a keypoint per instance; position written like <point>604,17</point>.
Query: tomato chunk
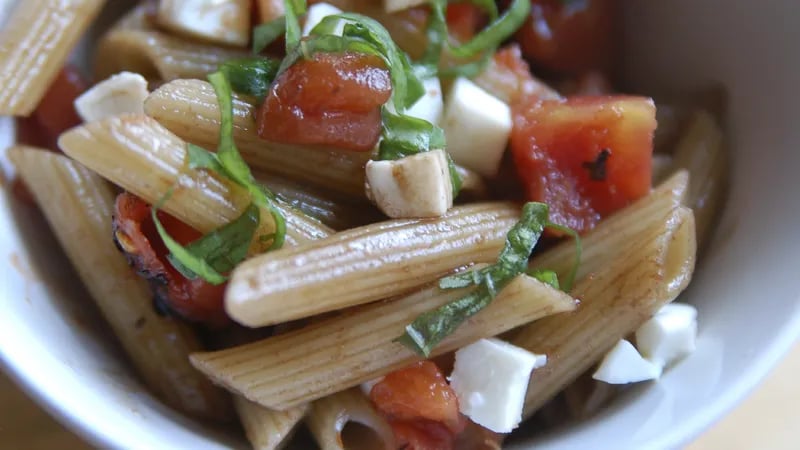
<point>570,37</point>
<point>136,235</point>
<point>463,20</point>
<point>56,112</point>
<point>421,407</point>
<point>586,157</point>
<point>330,99</point>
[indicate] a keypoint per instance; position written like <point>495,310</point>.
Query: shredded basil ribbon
<point>251,76</point>
<point>267,33</point>
<point>430,328</point>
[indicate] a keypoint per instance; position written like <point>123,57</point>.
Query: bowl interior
<point>54,343</point>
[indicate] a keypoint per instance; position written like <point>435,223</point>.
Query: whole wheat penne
<point>34,43</point>
<point>340,352</point>
<point>189,109</point>
<point>267,429</point>
<point>617,232</point>
<point>586,396</point>
<point>347,421</point>
<point>701,152</point>
<point>78,205</point>
<point>141,156</point>
<point>365,264</point>
<point>614,302</point>
<point>662,167</point>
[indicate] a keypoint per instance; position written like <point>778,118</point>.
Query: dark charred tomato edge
<point>136,236</point>
<point>420,406</point>
<point>328,100</point>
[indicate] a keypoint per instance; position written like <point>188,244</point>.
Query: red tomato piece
<point>586,157</point>
<point>56,112</point>
<point>330,99</point>
<point>136,235</point>
<point>570,37</point>
<point>422,434</point>
<point>463,20</point>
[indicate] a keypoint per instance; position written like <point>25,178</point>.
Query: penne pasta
<point>662,167</point>
<point>347,421</point>
<point>78,205</point>
<point>365,264</point>
<point>34,44</point>
<point>614,302</point>
<point>340,352</point>
<point>267,429</point>
<point>141,156</point>
<point>189,109</point>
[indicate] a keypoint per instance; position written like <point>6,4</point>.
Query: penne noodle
<point>78,205</point>
<point>614,302</point>
<point>662,167</point>
<point>700,151</point>
<point>34,44</point>
<point>365,264</point>
<point>157,55</point>
<point>283,371</point>
<point>189,109</point>
<point>347,421</point>
<point>267,429</point>
<point>586,396</point>
<point>139,155</point>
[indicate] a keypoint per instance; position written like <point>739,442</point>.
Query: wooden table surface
<point>767,420</point>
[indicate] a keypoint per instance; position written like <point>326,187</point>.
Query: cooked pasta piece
<point>662,167</point>
<point>189,109</point>
<point>614,302</point>
<point>78,204</point>
<point>34,43</point>
<point>586,396</point>
<point>343,351</point>
<point>267,429</point>
<point>141,156</point>
<point>347,421</point>
<point>365,264</point>
<point>700,150</point>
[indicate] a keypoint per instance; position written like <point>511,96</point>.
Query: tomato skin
<point>136,235</point>
<point>554,142</point>
<point>570,38</point>
<point>330,99</point>
<point>463,20</point>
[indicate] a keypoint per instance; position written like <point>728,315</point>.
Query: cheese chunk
<point>490,378</point>
<point>477,126</point>
<point>669,335</point>
<point>415,186</point>
<point>220,21</point>
<point>429,107</point>
<point>122,93</point>
<point>623,365</point>
<point>319,11</point>
<point>392,6</point>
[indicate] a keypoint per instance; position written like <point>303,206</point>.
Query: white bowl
<point>746,288</point>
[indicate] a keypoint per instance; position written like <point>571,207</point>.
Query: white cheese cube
<point>221,21</point>
<point>415,186</point>
<point>490,378</point>
<point>669,335</point>
<point>392,6</point>
<point>623,365</point>
<point>477,126</point>
<point>429,107</point>
<point>122,93</point>
<point>319,11</point>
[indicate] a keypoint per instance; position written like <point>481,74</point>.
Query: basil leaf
<point>429,328</point>
<point>294,9</point>
<point>405,135</point>
<point>227,246</point>
<point>488,6</point>
<point>496,32</point>
<point>546,276</point>
<point>267,33</point>
<point>455,177</point>
<point>570,281</point>
<point>436,33</point>
<point>200,158</point>
<point>251,76</point>
<point>470,69</point>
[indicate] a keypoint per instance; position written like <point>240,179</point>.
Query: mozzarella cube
<point>221,21</point>
<point>392,6</point>
<point>477,126</point>
<point>669,335</point>
<point>319,11</point>
<point>429,107</point>
<point>415,186</point>
<point>122,93</point>
<point>490,378</point>
<point>623,365</point>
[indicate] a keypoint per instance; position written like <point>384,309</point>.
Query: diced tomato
<point>586,157</point>
<point>463,20</point>
<point>570,37</point>
<point>508,77</point>
<point>136,235</point>
<point>421,407</point>
<point>56,112</point>
<point>330,99</point>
